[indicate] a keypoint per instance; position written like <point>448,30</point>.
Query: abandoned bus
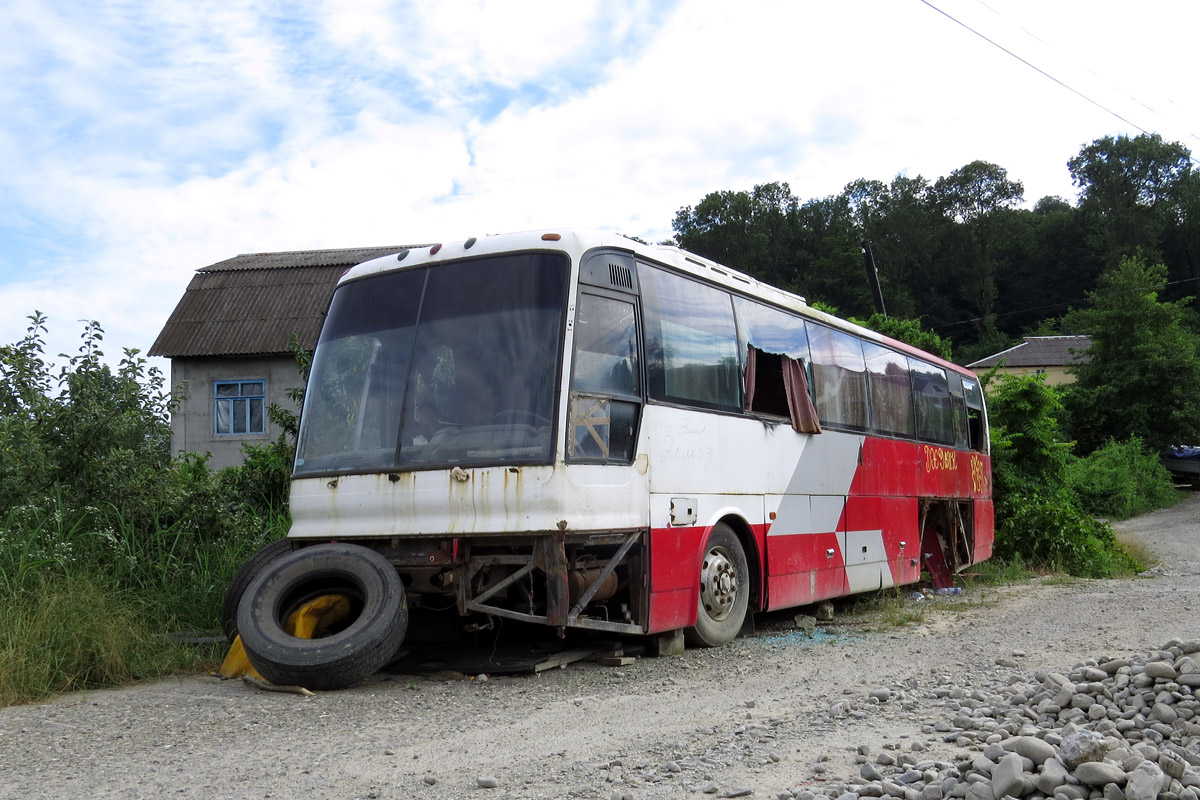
<point>574,429</point>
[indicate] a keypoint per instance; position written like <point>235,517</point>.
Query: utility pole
<point>873,277</point>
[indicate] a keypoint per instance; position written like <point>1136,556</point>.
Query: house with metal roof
<point>1052,356</point>
<point>228,341</point>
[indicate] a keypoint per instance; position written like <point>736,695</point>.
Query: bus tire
<point>344,655</point>
<point>724,590</point>
<point>249,570</point>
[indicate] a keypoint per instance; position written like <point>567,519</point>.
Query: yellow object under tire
<point>354,647</point>
<point>311,621</point>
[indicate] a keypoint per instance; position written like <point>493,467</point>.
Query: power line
<point>1044,73</point>
<point>1027,309</point>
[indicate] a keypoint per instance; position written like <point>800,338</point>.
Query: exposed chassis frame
<point>549,555</point>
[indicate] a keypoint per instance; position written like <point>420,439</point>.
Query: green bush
<point>1052,531</point>
<point>262,482</point>
<point>107,544</point>
<point>1039,518</point>
<point>1121,480</point>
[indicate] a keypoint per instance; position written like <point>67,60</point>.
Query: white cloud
<point>148,141</point>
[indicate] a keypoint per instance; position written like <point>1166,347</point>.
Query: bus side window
<point>891,391</point>
<point>839,377</point>
<point>606,389</point>
<point>931,398</point>
<point>691,342</point>
<point>959,409</point>
<point>977,435</point>
<point>776,376</point>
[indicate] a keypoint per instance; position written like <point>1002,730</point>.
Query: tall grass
<point>88,601</point>
<point>107,543</point>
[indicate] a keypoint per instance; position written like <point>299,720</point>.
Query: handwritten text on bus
<point>938,459</point>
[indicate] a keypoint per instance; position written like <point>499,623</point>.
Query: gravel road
<point>777,712</point>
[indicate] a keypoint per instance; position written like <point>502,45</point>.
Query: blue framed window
<point>239,407</point>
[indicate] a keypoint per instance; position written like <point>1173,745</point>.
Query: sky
<point>143,141</point>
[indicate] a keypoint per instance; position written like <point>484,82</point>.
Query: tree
<point>975,197</point>
<point>908,331</point>
<point>103,434</point>
<point>1143,376</point>
<point>1133,185</point>
<point>905,231</point>
<point>750,231</point>
<point>976,190</point>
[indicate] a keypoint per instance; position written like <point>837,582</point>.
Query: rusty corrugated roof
<point>1040,351</point>
<point>251,304</point>
<point>346,257</point>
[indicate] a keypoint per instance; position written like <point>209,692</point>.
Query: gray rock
<point>1164,713</point>
<point>1098,773</point>
<point>1032,748</point>
<point>869,772</point>
<point>979,791</point>
<point>1113,792</point>
<point>1006,777</point>
<point>1070,791</point>
<point>1144,782</point>
<point>486,782</point>
<point>1171,764</point>
<point>1082,747</point>
<point>1053,775</point>
<point>1161,670</point>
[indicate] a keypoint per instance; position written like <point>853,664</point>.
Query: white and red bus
<point>574,429</point>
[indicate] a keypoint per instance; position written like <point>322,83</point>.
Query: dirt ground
<point>774,712</point>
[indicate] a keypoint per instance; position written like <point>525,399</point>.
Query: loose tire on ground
<point>363,643</point>
<point>724,590</point>
<point>249,570</point>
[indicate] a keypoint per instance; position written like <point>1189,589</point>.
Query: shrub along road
<point>775,714</point>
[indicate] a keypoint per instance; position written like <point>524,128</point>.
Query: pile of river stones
<point>1111,729</point>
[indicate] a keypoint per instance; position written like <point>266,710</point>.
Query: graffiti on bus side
<point>939,459</point>
<point>978,475</point>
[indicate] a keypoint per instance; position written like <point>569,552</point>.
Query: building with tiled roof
<point>229,343</point>
<point>1052,356</point>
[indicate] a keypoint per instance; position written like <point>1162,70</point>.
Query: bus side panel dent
<point>886,547</point>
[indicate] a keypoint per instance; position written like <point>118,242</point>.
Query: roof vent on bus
<point>619,275</point>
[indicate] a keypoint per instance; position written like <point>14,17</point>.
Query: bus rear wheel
<point>724,590</point>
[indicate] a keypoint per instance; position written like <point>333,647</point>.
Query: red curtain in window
<point>800,405</point>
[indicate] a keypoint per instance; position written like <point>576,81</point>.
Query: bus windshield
<point>456,364</point>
